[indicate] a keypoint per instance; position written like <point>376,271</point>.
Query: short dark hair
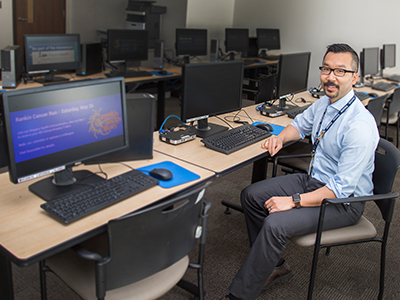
<point>344,48</point>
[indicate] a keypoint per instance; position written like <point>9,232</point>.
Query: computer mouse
<point>161,174</point>
<point>373,95</point>
<point>257,60</point>
<point>162,72</point>
<point>265,126</point>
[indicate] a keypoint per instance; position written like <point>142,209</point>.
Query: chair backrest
<point>150,240</point>
<point>375,107</point>
<point>387,162</point>
<point>394,106</point>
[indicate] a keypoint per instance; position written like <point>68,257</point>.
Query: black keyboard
<point>128,74</point>
<point>235,139</point>
<point>394,77</point>
<point>97,196</point>
<point>296,111</point>
<point>383,86</point>
<point>362,96</point>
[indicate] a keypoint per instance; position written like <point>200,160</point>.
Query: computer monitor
<point>51,129</point>
<point>47,53</point>
<point>369,61</point>
<point>388,57</point>
<point>292,77</point>
<point>236,40</point>
<point>125,46</point>
<point>210,89</point>
<point>190,42</point>
<point>267,39</point>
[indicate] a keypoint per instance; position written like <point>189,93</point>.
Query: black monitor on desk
<point>190,42</point>
<point>293,70</point>
<point>369,63</point>
<point>51,129</point>
<point>211,89</point>
<point>126,46</point>
<point>48,53</point>
<point>267,39</point>
<point>236,40</point>
<point>388,57</point>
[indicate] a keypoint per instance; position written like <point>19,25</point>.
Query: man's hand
<point>273,144</point>
<point>275,204</point>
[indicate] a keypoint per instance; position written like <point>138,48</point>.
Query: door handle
<point>22,19</point>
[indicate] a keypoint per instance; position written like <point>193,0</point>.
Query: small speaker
<point>141,122</point>
<point>158,55</point>
<point>91,59</point>
<point>11,66</point>
<point>214,50</point>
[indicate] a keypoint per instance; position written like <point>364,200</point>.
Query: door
<point>37,17</point>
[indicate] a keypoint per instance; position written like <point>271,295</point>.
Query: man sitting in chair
<point>345,137</point>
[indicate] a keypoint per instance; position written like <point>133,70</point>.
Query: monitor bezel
<point>203,128</point>
<point>384,56</point>
<point>52,67</point>
<point>124,57</point>
<point>228,40</point>
<point>270,31</point>
<point>52,168</point>
<point>363,59</point>
<point>180,51</point>
<point>282,60</point>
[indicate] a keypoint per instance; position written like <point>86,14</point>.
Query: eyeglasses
<point>338,72</point>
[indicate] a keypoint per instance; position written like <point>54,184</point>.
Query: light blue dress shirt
<point>344,158</point>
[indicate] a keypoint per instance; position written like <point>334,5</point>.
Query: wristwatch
<point>296,199</point>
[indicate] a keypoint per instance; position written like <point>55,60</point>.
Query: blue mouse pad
<point>179,175</point>
<point>157,74</point>
<point>276,128</point>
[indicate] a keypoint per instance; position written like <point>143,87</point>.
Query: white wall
<point>6,27</point>
<point>212,15</point>
<point>313,24</point>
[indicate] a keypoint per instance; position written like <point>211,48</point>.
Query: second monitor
<point>211,89</point>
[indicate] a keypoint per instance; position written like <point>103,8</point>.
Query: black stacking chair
<point>142,255</point>
<point>391,114</point>
<point>375,106</point>
<point>387,162</point>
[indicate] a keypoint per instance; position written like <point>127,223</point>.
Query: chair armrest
<point>391,195</point>
<point>207,206</point>
<point>86,254</point>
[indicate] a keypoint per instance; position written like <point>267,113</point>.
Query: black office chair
<point>386,166</point>
<point>391,114</point>
<point>375,106</point>
<point>142,255</point>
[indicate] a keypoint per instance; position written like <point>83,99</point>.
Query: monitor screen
<point>370,61</point>
<point>293,72</point>
<point>190,42</point>
<point>388,56</point>
<point>127,45</point>
<point>211,89</point>
<point>268,39</point>
<point>53,128</point>
<point>46,53</point>
<point>237,39</point>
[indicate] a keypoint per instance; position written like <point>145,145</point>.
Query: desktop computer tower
<point>11,66</point>
<point>141,122</point>
<point>91,59</point>
<point>158,55</point>
<point>214,47</point>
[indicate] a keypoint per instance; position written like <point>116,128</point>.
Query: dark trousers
<point>268,233</point>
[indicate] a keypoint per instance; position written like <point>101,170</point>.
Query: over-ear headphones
<point>316,93</point>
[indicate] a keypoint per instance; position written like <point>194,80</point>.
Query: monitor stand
<point>63,182</point>
<point>49,77</point>
<point>204,129</point>
<point>278,110</point>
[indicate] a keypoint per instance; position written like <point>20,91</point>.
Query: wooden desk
<point>28,234</point>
